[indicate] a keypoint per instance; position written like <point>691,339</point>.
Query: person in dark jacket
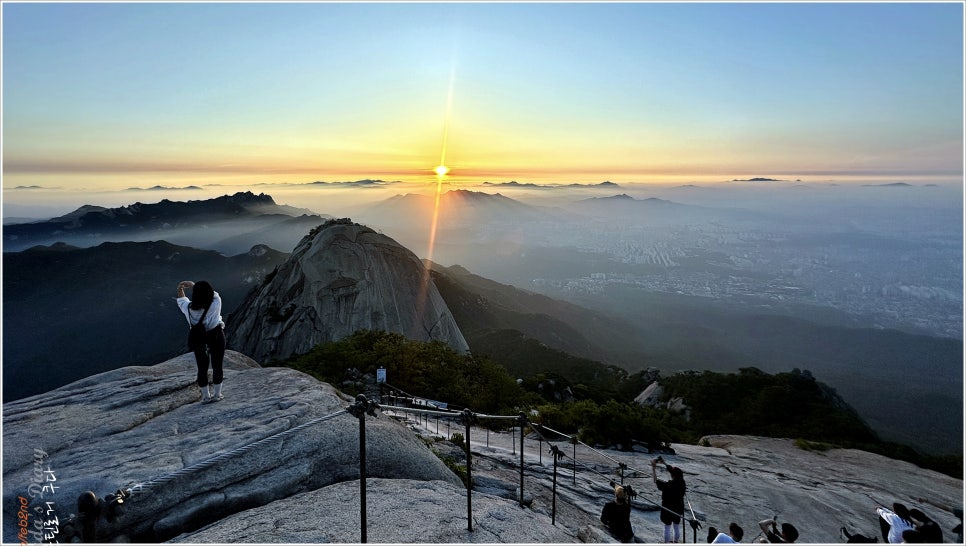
<point>672,500</point>
<point>926,530</point>
<point>616,515</point>
<point>733,536</point>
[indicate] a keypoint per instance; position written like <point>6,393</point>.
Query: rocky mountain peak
<point>259,250</point>
<point>342,277</point>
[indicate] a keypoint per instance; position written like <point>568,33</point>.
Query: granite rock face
<point>742,479</point>
<point>341,278</point>
<point>733,478</point>
<point>196,477</point>
<point>130,427</point>
<point>398,511</point>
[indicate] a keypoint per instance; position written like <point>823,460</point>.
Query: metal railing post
<point>574,440</point>
<point>360,409</point>
<point>468,419</point>
<point>513,439</point>
<point>553,503</point>
<point>523,419</point>
<point>362,473</point>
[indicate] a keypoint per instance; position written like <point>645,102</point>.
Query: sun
<point>441,170</point>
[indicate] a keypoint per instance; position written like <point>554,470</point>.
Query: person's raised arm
<point>182,285</point>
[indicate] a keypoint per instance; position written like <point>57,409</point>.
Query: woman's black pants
<point>214,353</point>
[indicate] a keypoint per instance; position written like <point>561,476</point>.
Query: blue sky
<point>114,95</point>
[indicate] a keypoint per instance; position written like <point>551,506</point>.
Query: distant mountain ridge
<point>200,223</point>
<point>532,185</point>
<point>463,218</point>
<point>660,212</point>
<point>148,214</point>
<point>457,208</point>
<point>79,213</point>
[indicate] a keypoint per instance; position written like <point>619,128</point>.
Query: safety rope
<point>407,395</point>
<point>572,438</point>
<point>225,455</point>
<point>595,471</point>
<point>536,427</point>
<point>562,453</point>
<point>447,413</point>
<point>466,416</point>
<point>436,413</point>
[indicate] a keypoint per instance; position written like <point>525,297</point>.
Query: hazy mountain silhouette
<point>661,212</point>
<point>483,307</point>
<point>485,225</point>
<point>201,223</point>
<point>758,179</point>
<point>530,185</point>
<point>279,232</point>
<point>457,209</point>
<point>77,214</point>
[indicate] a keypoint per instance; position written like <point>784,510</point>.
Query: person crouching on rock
<point>672,499</point>
<point>205,308</point>
<point>617,516</point>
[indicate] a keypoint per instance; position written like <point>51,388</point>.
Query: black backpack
<point>197,334</point>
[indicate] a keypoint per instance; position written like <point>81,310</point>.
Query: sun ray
<point>441,172</point>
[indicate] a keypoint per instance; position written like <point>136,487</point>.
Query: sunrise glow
<point>714,105</point>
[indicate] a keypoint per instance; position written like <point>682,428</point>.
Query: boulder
<point>144,429</point>
<point>677,405</point>
<point>651,395</point>
<point>342,277</point>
